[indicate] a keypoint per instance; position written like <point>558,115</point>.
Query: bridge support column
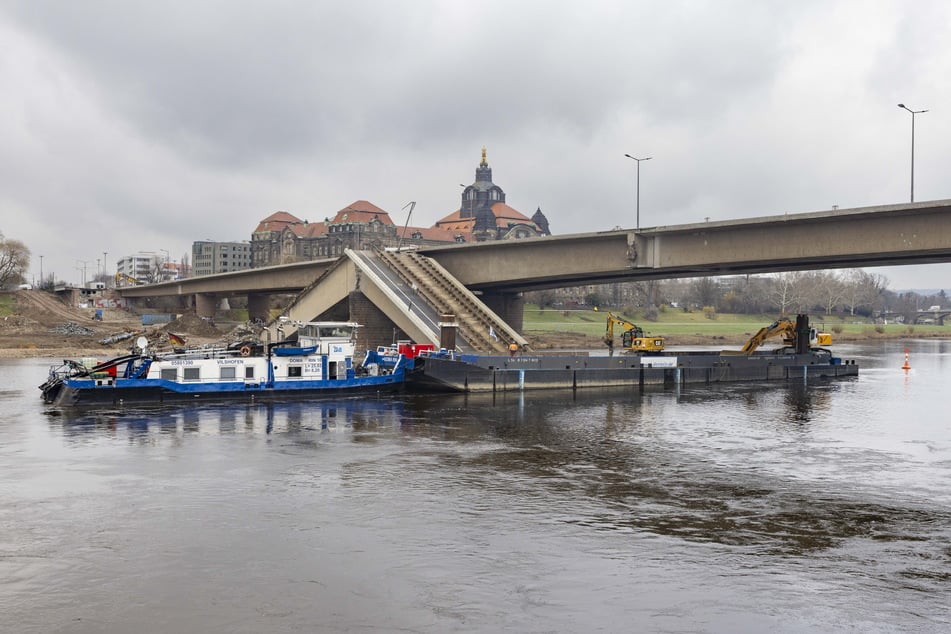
<point>377,329</point>
<point>259,305</point>
<point>509,306</point>
<point>205,304</point>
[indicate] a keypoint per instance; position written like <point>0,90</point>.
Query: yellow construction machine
<point>797,336</point>
<point>633,338</point>
<point>125,280</point>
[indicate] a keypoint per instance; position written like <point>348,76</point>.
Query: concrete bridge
<point>920,316</point>
<point>912,233</point>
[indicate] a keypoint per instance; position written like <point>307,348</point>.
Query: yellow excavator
<point>797,336</point>
<point>633,338</point>
<point>125,280</point>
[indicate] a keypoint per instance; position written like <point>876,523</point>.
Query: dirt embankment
<point>43,326</point>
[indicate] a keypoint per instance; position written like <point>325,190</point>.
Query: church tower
<point>539,219</point>
<point>478,198</point>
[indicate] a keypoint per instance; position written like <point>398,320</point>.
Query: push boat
<point>319,363</point>
<point>801,357</point>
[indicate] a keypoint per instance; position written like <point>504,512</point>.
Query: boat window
<point>191,374</point>
<point>335,331</point>
<point>249,371</point>
<point>294,371</point>
<point>170,374</point>
<point>227,373</point>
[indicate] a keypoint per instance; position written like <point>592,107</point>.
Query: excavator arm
<point>791,333</point>
<point>782,326</point>
<point>127,279</point>
<point>633,338</point>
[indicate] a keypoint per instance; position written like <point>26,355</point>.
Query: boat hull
<point>469,373</point>
<point>84,392</point>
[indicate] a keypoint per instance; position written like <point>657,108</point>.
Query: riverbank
<point>34,324</point>
<point>37,324</point>
<point>542,341</point>
<point>61,346</point>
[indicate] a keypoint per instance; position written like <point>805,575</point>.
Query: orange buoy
<point>906,365</point>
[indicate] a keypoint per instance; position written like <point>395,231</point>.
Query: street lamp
<point>637,190</point>
<point>83,269</point>
<point>913,113</point>
<point>41,271</point>
<point>164,274</point>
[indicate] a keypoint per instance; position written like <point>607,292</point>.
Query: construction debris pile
<point>193,325</point>
<point>71,328</point>
<point>122,336</point>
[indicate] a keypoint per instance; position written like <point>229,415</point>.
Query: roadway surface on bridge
<point>911,233</point>
<point>914,233</point>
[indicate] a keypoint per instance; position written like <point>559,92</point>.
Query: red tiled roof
<point>501,210</point>
<point>453,217</point>
<point>309,229</point>
<point>277,221</point>
<point>503,216</point>
<point>444,234</point>
<point>459,224</point>
<point>361,211</point>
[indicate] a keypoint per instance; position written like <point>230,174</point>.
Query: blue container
<point>151,320</point>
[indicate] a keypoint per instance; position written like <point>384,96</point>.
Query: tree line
<point>853,292</point>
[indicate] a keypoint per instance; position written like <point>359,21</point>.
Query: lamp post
<point>83,269</point>
<point>637,189</point>
<point>164,274</point>
<point>913,113</point>
<point>41,271</point>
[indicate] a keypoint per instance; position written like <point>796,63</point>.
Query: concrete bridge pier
<point>377,330</point>
<point>206,304</point>
<point>509,306</point>
<point>259,306</point>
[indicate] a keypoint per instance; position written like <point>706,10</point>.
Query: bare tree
<point>646,293</point>
<point>828,288</point>
<point>156,270</point>
<point>863,289</point>
<point>14,261</point>
<point>787,291</point>
<point>706,291</point>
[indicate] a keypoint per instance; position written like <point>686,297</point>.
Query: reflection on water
<point>261,418</point>
<point>601,446</point>
<point>607,451</point>
<point>543,511</point>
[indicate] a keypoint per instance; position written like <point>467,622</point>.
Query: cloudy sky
<point>141,126</point>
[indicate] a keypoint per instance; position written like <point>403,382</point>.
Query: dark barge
<point>799,358</point>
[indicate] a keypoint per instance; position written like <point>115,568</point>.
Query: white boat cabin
<point>323,352</point>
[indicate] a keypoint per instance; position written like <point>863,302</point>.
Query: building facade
<point>209,258</point>
<point>138,268</point>
<point>283,238</point>
<point>484,215</point>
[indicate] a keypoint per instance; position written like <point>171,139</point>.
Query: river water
<point>781,508</point>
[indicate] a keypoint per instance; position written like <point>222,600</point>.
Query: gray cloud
<point>161,123</point>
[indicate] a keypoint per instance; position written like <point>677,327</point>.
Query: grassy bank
<point>676,323</point>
